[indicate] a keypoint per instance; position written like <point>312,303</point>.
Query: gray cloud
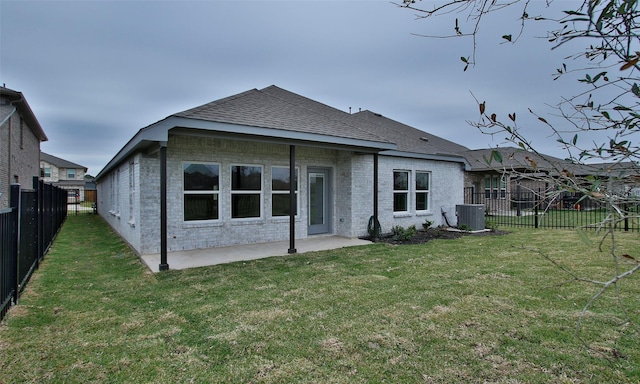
<point>96,72</point>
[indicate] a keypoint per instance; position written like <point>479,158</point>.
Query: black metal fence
<point>531,209</point>
<point>27,229</point>
<point>81,203</point>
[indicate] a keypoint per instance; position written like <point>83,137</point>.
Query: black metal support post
<point>163,207</point>
<point>376,224</point>
<point>292,199</point>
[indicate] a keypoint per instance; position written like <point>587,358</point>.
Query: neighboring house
<point>64,174</point>
<point>516,171</point>
<point>522,176</point>
<point>20,138</point>
<point>219,175</point>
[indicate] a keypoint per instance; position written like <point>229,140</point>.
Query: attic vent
<point>424,138</point>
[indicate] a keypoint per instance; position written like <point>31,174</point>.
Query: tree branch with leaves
<point>602,43</point>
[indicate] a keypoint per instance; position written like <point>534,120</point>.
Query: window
<point>400,191</point>
<point>422,191</point>
<point>47,171</point>
<point>246,191</point>
<point>495,186</point>
<point>280,184</point>
<point>71,173</point>
<point>201,184</point>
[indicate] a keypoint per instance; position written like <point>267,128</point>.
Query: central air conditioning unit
<point>471,216</point>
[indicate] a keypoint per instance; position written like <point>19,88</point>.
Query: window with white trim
<point>495,186</point>
<point>280,185</point>
<point>422,191</point>
<point>400,191</point>
<point>246,191</point>
<point>201,187</point>
<point>71,174</point>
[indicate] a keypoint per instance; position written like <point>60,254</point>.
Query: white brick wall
<point>446,190</point>
<point>184,235</point>
<point>119,201</point>
<point>135,213</point>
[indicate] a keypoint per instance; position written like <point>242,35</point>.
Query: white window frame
<point>69,171</point>
<point>422,191</point>
<point>213,192</point>
<point>497,187</point>
<point>273,192</point>
<point>248,192</point>
<point>406,192</point>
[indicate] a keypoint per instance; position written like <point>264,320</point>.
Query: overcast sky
<point>94,73</point>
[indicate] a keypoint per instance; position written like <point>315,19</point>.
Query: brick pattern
<point>20,155</point>
<point>134,210</point>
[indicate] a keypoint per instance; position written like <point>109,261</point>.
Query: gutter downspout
<point>9,167</point>
<point>9,116</point>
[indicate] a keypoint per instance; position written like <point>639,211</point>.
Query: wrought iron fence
<point>82,203</point>
<point>27,229</point>
<point>531,209</point>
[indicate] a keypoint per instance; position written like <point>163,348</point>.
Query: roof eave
<point>159,132</point>
<point>426,156</point>
<point>19,101</point>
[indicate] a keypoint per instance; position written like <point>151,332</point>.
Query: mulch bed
<point>423,236</point>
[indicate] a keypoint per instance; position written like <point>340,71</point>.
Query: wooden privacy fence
<point>528,209</point>
<point>27,229</point>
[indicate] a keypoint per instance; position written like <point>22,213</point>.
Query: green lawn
<point>475,309</point>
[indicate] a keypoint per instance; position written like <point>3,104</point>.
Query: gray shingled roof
<point>276,108</point>
<point>60,163</point>
<point>409,139</point>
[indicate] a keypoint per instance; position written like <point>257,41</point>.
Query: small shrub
<point>427,224</point>
<point>464,227</point>
<point>399,233</point>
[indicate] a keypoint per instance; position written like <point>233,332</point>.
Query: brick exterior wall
<point>130,195</point>
<point>445,192</point>
<point>19,155</point>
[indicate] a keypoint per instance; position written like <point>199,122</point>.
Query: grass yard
<point>475,309</point>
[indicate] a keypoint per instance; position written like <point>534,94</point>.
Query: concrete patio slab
<point>213,256</point>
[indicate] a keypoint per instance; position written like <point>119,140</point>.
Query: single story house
<point>521,176</point>
<point>270,165</point>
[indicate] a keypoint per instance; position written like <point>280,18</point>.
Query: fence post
<point>535,204</point>
<point>625,209</point>
<point>519,197</point>
<point>14,197</point>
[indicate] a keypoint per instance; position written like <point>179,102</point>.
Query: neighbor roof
<point>512,159</point>
<point>18,100</point>
<point>60,163</point>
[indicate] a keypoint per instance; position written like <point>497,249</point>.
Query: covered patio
<point>222,255</point>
